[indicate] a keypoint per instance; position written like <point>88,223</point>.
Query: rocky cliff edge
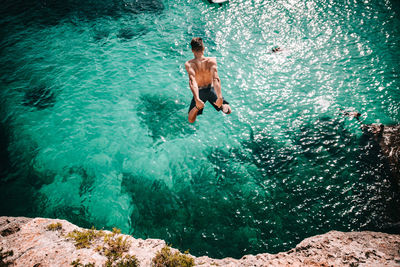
<point>43,242</point>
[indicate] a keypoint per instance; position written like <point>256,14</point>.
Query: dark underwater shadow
<point>143,6</point>
<point>51,12</point>
<point>377,166</point>
<point>5,164</point>
<point>87,180</point>
<point>268,155</point>
<point>155,205</point>
<point>326,170</point>
<point>20,185</point>
<point>322,138</point>
<point>40,97</point>
<point>128,33</point>
<point>100,34</point>
<point>77,214</point>
<point>164,116</point>
<point>188,217</point>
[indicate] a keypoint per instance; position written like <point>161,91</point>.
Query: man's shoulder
<point>189,62</point>
<point>212,59</point>
<point>212,62</point>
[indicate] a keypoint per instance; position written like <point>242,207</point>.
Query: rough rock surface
<point>33,244</point>
<point>388,138</point>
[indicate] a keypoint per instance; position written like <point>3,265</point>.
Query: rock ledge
<point>33,244</point>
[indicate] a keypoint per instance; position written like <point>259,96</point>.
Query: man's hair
<point>197,44</point>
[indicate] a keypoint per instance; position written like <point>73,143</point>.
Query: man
<point>204,82</point>
<point>276,49</point>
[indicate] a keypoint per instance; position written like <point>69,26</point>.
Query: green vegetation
<point>54,226</point>
<point>77,263</point>
<point>127,261</point>
<point>3,256</point>
<point>116,230</point>
<point>165,258</point>
<point>112,245</point>
<point>83,239</point>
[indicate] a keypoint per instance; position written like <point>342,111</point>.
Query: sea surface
<point>93,119</point>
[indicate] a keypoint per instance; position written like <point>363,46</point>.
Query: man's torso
<point>202,69</point>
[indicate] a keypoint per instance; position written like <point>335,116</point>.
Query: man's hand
<point>219,102</point>
<point>199,104</point>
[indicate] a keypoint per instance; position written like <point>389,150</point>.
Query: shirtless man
<point>203,78</point>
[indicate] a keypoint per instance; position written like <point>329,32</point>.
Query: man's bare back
<point>202,69</point>
<point>204,82</point>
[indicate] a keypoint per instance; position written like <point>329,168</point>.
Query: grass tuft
<point>127,261</point>
<point>84,239</point>
<point>165,258</point>
<point>113,246</point>
<point>54,226</point>
<point>77,263</point>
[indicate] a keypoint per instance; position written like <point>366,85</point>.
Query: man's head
<point>197,44</point>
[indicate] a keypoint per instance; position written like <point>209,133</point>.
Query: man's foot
<point>226,109</point>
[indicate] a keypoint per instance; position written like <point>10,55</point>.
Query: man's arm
<point>193,85</point>
<point>216,83</point>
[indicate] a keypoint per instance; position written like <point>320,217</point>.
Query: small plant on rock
<point>116,230</point>
<point>165,258</point>
<point>54,226</point>
<point>112,245</point>
<point>126,261</point>
<point>84,239</point>
<point>77,263</point>
<point>115,246</point>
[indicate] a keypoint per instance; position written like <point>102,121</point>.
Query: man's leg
<point>225,108</point>
<point>194,111</point>
<point>193,114</point>
<point>212,98</point>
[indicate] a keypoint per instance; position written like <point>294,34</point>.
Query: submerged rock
<point>130,33</point>
<point>4,154</point>
<point>45,242</point>
<point>100,34</point>
<point>163,116</point>
<point>388,138</point>
<point>52,12</point>
<point>40,97</point>
<point>143,6</point>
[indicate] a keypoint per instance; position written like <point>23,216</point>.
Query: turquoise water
<point>94,100</point>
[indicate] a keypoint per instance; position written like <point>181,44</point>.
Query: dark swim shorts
<point>206,93</point>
